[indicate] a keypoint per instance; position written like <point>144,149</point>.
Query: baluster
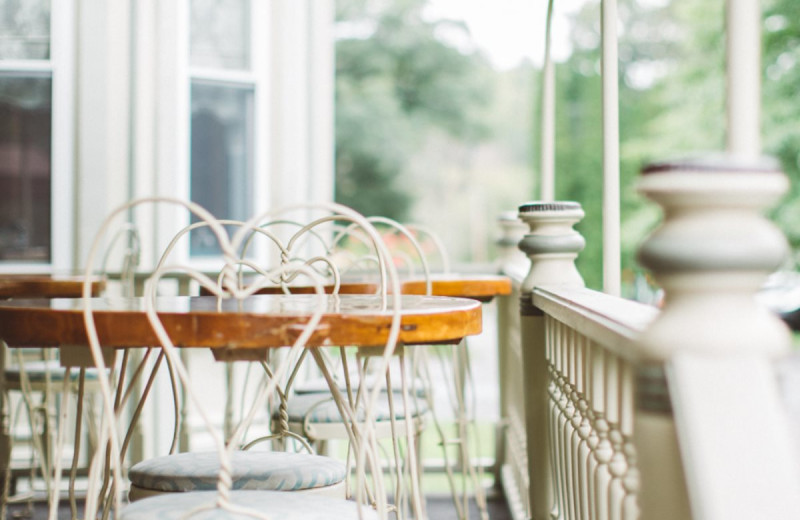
<point>560,421</point>
<point>593,441</point>
<point>578,424</point>
<point>584,451</point>
<point>602,453</point>
<point>575,422</point>
<point>630,481</point>
<point>552,246</point>
<point>618,465</point>
<point>555,396</point>
<point>569,417</point>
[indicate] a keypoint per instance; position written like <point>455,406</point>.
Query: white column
<point>320,98</point>
<point>611,233</point>
<point>548,158</point>
<point>744,77</point>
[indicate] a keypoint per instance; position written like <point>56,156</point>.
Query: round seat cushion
<point>273,504</point>
<point>321,408</point>
<point>320,385</point>
<point>262,470</point>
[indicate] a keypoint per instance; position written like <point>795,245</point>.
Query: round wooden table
<point>474,286</point>
<point>261,321</point>
<point>45,286</point>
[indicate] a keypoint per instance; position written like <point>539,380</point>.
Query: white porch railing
<point>616,410</point>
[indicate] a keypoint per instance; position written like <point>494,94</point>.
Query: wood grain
<point>262,321</point>
<point>45,286</point>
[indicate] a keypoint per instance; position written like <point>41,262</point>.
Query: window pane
<point>25,115</point>
<point>24,29</point>
<point>221,155</point>
<point>220,32</point>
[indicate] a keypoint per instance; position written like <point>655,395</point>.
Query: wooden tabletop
<point>45,286</point>
<point>477,287</point>
<point>261,321</point>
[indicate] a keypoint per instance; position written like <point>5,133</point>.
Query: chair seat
<point>37,372</point>
<point>254,470</point>
<point>318,385</point>
<point>274,504</point>
<point>321,408</point>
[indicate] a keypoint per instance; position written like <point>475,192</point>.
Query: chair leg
<point>5,467</point>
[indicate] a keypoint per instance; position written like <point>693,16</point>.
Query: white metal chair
<point>418,248</point>
<point>42,380</point>
<point>225,501</point>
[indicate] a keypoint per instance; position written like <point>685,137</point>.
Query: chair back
<point>232,285</point>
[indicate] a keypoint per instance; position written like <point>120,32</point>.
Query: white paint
<point>612,266</point>
<point>547,168</point>
<point>734,438</point>
<point>744,77</point>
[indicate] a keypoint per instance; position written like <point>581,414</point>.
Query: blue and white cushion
<point>262,470</point>
<point>320,385</point>
<point>273,504</point>
<point>321,408</point>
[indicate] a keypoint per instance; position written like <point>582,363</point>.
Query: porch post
<point>710,255</point>
<point>552,246</point>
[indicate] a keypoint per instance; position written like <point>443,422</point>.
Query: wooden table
<point>474,286</point>
<point>45,286</point>
<point>261,321</point>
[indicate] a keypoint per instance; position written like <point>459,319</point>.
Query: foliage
<point>397,81</point>
<point>401,91</point>
<point>781,66</point>
<point>671,91</point>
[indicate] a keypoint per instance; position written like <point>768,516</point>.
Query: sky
<point>509,30</point>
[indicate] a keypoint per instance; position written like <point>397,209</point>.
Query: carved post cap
<point>712,253</point>
<point>512,230</point>
<point>552,244</point>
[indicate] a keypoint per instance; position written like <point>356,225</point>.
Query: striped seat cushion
<point>262,470</point>
<point>317,385</point>
<point>273,504</point>
<point>320,408</point>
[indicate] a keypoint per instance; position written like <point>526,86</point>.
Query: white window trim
<point>256,78</point>
<point>62,193</point>
<point>63,135</point>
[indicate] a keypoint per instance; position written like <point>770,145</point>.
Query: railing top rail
<point>613,322</point>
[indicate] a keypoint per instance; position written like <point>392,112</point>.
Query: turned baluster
<point>585,429</point>
<point>603,452</point>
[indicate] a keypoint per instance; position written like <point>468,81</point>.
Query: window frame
<point>184,74</point>
<point>59,67</point>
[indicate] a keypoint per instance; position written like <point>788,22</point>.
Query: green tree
<point>396,81</point>
<point>781,65</point>
<point>671,91</point>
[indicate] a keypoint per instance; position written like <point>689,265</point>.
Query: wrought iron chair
<point>226,501</point>
<point>41,380</point>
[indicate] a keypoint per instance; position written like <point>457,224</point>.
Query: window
<point>26,84</point>
<point>223,92</point>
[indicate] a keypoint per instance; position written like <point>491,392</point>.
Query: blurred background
<point>437,103</point>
